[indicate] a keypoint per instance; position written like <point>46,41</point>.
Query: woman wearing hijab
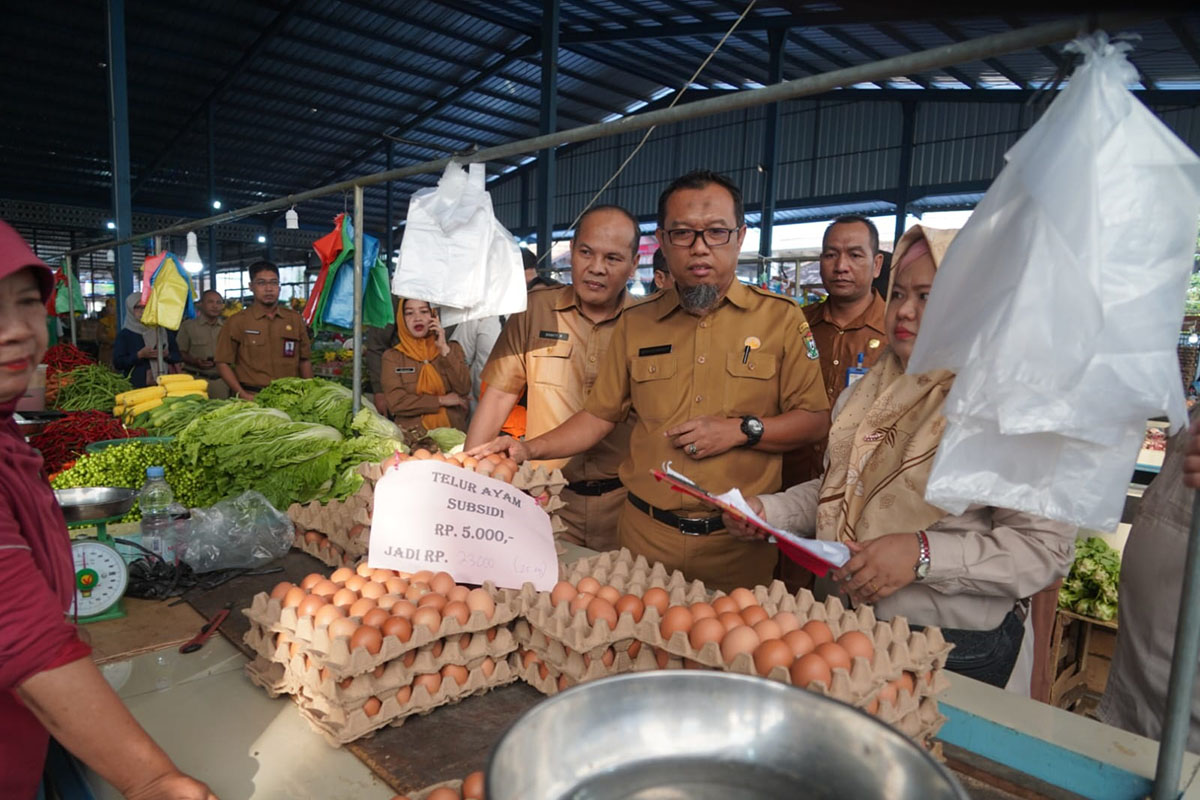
<point>136,349</point>
<point>972,573</point>
<point>48,683</point>
<point>425,379</point>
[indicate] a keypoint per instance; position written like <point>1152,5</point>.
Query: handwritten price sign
<point>435,516</point>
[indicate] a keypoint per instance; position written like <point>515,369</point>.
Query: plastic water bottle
<point>155,499</point>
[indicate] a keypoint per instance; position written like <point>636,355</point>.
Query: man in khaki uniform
<point>723,378</point>
<point>849,323</point>
<point>197,340</point>
<point>265,341</point>
<point>553,351</point>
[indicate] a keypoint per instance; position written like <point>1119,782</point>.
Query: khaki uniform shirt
<point>839,348</point>
<point>261,346</point>
<point>552,351</point>
<point>671,366</point>
<point>406,404</point>
<point>198,338</point>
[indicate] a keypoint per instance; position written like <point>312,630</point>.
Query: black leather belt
<point>688,526</point>
<point>595,488</point>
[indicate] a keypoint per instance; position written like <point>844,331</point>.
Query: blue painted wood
<point>1043,760</point>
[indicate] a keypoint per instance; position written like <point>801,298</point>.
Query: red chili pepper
<point>65,439</point>
<point>64,357</point>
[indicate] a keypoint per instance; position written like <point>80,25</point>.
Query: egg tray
<point>621,568</point>
<point>326,555</point>
<point>337,517</point>
<point>923,724</point>
<point>268,676</point>
<point>339,726</point>
<point>550,683</point>
<point>536,481</point>
<point>575,665</point>
<point>336,655</point>
<point>398,673</point>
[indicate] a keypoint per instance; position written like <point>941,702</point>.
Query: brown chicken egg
<point>312,537</point>
<point>381,575</point>
<point>787,621</point>
<point>658,599</point>
<point>342,627</point>
<point>472,786</point>
<point>857,644</point>
<point>770,654</point>
<point>327,614</point>
<point>404,694</point>
<point>635,647</point>
<point>818,631</point>
<point>661,657</point>
<point>580,602</point>
<point>630,604</point>
<point>372,590</point>
<point>724,604</point>
<point>367,637</point>
<point>481,600</point>
<point>416,590</point>
<point>354,583</point>
<point>740,640</point>
<point>360,606</point>
<point>372,706</point>
<point>363,570</point>
<point>396,586</point>
<point>767,629</point>
<point>456,610</point>
<point>325,588</point>
<point>889,692</point>
<point>441,582</point>
<point>708,629</point>
<point>835,655</point>
<point>601,610</point>
<point>563,592</point>
<point>294,597</point>
<point>281,589</point>
<point>589,585</point>
<point>800,642</point>
<point>409,658</point>
<point>458,593</point>
<point>488,665</point>
<point>908,682</point>
<point>432,681</point>
<point>376,617</point>
<point>702,611</point>
<point>423,576</point>
<point>422,454</point>
<point>310,580</point>
<point>485,467</point>
<point>341,575</point>
<point>677,618</point>
<point>429,617</point>
<point>443,793</point>
<point>754,614</point>
<point>731,620</point>
<point>503,472</point>
<point>310,605</point>
<point>810,668</point>
<point>743,597</point>
<point>344,597</point>
<point>433,600</point>
<point>387,601</point>
<point>397,626</point>
<point>455,673</point>
<point>610,593</point>
<point>403,608</point>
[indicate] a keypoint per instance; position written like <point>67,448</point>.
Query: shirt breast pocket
<point>750,385</point>
<point>551,365</point>
<point>652,389</point>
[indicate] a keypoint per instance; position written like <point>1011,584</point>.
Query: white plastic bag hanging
<point>1059,305</point>
<point>504,281</point>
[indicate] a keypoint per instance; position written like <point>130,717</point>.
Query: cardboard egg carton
<point>922,723</point>
<point>541,676</point>
<point>393,675</point>
<point>340,725</point>
<point>326,554</point>
<point>536,481</point>
<point>268,676</point>
<point>335,654</point>
<point>622,569</point>
<point>581,667</point>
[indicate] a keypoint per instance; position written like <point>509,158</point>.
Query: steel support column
<point>389,212</point>
<point>770,156</point>
<point>356,401</point>
<point>212,194</point>
<point>907,131</point>
<point>118,119</point>
<point>547,124</point>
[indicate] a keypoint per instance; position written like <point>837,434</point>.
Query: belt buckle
<point>693,527</point>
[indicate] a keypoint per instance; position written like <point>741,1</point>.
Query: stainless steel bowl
<point>684,735</point>
<point>99,502</point>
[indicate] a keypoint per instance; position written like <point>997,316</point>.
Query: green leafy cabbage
<point>310,400</point>
<point>449,440</point>
<point>1091,586</point>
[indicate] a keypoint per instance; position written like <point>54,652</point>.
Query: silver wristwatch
<point>921,568</point>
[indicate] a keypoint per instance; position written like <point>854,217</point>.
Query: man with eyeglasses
<point>265,341</point>
<point>723,378</point>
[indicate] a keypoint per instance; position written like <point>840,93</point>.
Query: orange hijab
<point>429,380</point>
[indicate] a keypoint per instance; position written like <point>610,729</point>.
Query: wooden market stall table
<point>216,724</point>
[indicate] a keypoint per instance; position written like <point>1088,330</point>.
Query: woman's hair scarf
<point>429,380</point>
<point>882,443</point>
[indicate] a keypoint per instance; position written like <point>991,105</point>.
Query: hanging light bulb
<point>1194,338</point>
<point>191,261</point>
<point>292,219</point>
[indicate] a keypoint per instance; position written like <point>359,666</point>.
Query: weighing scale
<point>101,575</point>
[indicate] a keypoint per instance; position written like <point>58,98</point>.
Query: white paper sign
<point>440,517</point>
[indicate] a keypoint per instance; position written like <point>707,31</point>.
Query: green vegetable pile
<point>449,440</point>
<point>1091,586</point>
<point>176,413</point>
<point>310,400</point>
<point>124,465</point>
<point>90,388</point>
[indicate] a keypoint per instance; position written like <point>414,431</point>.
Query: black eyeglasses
<point>713,237</point>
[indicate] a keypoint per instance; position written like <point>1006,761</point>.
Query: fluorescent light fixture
<point>191,261</point>
<point>112,226</point>
<point>217,204</point>
<point>262,239</point>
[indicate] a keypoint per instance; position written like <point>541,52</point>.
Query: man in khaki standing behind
<point>197,340</point>
<point>265,341</point>
<point>553,350</point>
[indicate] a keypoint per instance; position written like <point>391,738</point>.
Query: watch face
<point>754,426</point>
<point>922,569</point>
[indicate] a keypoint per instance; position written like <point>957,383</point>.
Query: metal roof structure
<point>292,94</point>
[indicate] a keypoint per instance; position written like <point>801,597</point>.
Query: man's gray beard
<point>698,299</point>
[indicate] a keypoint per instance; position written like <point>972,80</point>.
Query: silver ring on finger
<point>691,449</point>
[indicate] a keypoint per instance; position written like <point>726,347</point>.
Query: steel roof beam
<point>871,52</point>
<point>193,119</point>
<point>821,52</point>
<point>955,35</point>
<point>1185,38</point>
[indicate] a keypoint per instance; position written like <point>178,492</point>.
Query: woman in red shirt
<point>48,683</point>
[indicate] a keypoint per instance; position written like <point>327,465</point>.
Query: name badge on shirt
<point>562,337</point>
<point>289,348</point>
<point>657,350</point>
<point>405,370</point>
<point>256,333</point>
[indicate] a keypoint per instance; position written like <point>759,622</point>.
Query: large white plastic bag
<point>447,235</point>
<point>504,281</point>
<point>1059,305</point>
